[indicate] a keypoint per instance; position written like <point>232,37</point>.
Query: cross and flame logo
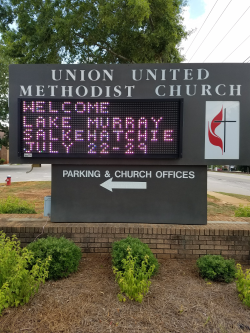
<point>218,120</point>
<point>214,138</point>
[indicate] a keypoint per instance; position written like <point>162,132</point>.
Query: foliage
<point>243,284</point>
<point>90,31</point>
<point>214,166</point>
<point>4,140</point>
<point>4,85</point>
<point>133,280</point>
<point>65,255</point>
<point>243,168</point>
<point>243,211</point>
<point>138,250</point>
<point>14,205</point>
<point>4,109</point>
<point>86,31</point>
<point>2,160</point>
<point>216,268</point>
<point>17,283</point>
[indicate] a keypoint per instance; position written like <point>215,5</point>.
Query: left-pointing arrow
<point>110,185</point>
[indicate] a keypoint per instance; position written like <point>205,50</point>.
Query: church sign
<point>130,143</point>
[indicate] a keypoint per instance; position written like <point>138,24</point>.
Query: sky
<point>221,31</point>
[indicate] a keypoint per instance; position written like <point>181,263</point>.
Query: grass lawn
<point>34,193</point>
<point>216,208</point>
<point>212,198</point>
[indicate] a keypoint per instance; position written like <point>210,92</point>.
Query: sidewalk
<point>38,221</point>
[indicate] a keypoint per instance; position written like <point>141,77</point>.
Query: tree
<point>4,109</point>
<point>86,31</point>
<point>92,31</point>
<point>243,168</point>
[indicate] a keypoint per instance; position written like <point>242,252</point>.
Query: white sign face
<point>222,129</point>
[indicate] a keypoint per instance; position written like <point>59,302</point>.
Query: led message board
<point>100,128</point>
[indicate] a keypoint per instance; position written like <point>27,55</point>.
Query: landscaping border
<point>230,239</point>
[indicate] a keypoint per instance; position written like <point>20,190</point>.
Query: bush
<point>65,255</point>
<point>242,211</point>
<point>13,205</point>
<point>2,160</point>
<point>216,268</point>
<point>133,281</point>
<point>17,282</point>
<point>243,285</point>
<point>138,250</point>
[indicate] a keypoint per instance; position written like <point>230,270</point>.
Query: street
<point>18,172</point>
<point>216,181</point>
<point>228,182</point>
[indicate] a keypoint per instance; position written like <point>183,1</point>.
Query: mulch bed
<point>178,301</point>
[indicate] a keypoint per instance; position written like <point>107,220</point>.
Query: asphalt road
<point>228,182</point>
<point>216,181</point>
<point>18,172</point>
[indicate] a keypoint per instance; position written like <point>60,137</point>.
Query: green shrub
<point>243,285</point>
<point>243,211</point>
<point>2,160</point>
<point>138,250</point>
<point>13,205</point>
<point>65,255</point>
<point>17,282</point>
<point>216,268</point>
<point>133,280</point>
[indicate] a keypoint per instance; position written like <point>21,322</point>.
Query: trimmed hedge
<point>138,250</point>
<point>65,255</point>
<point>216,268</point>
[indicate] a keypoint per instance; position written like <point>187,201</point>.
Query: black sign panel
<point>142,194</point>
<point>100,129</point>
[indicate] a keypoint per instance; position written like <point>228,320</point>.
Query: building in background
<point>4,152</point>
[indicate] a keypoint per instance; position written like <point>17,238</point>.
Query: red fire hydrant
<point>8,180</point>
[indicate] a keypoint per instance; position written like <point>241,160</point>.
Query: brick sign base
<point>231,240</point>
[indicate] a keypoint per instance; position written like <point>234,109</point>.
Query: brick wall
<point>166,241</point>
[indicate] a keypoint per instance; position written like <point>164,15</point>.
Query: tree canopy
<point>4,109</point>
<point>86,31</point>
<point>92,31</point>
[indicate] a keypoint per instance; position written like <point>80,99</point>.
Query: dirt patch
<point>239,196</point>
<point>227,199</point>
<point>179,301</point>
<point>222,207</point>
